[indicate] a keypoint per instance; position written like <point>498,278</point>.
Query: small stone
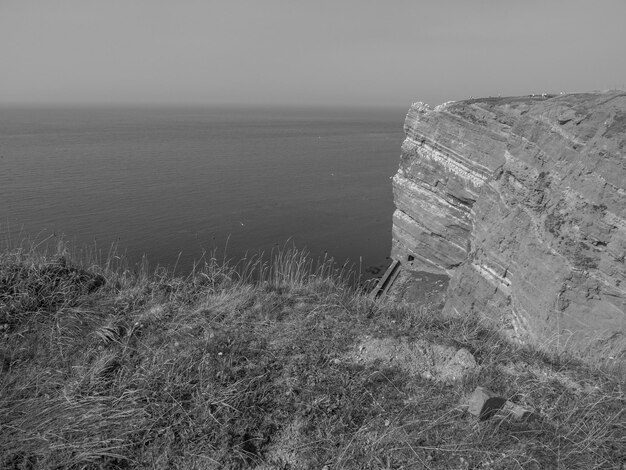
<point>516,411</point>
<point>484,403</point>
<point>460,365</point>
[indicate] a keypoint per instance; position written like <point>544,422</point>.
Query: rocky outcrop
<point>417,357</point>
<point>522,203</point>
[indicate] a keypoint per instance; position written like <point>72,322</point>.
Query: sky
<point>296,52</point>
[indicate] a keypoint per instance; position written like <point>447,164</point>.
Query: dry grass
<point>246,366</point>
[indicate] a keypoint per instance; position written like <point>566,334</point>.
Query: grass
<point>251,366</point>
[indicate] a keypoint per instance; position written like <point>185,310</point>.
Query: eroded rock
<point>418,357</point>
<point>522,203</point>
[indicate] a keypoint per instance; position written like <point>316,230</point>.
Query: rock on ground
<point>418,357</point>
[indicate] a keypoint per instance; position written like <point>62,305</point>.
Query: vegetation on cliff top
<point>250,366</point>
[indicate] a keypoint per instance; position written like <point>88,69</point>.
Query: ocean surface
<point>174,183</point>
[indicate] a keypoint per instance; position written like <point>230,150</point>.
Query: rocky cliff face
<point>522,203</point>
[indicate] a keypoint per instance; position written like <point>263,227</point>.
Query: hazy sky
<point>345,52</point>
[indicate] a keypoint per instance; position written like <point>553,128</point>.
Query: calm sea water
<point>172,183</point>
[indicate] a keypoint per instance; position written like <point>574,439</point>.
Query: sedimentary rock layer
<point>522,202</point>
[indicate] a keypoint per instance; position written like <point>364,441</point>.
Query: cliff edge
<point>520,203</point>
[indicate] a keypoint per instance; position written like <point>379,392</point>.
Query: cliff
<point>520,203</point>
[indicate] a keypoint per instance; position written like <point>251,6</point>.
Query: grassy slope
<point>217,371</point>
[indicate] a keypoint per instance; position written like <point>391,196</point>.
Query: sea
<point>175,184</point>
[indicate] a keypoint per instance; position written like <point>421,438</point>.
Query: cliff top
<point>110,368</point>
<point>576,112</point>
